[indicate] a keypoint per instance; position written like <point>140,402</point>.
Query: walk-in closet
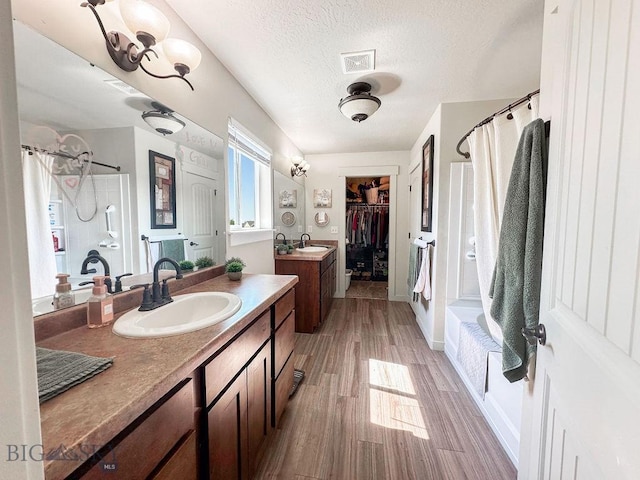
<point>367,236</point>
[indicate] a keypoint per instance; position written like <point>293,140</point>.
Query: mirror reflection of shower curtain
<point>37,189</point>
<point>493,148</point>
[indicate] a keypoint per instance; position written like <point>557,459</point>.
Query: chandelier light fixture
<point>360,104</point>
<point>299,167</point>
<point>162,120</point>
<point>150,28</point>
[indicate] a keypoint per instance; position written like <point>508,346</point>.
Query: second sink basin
<point>313,249</point>
<point>187,313</point>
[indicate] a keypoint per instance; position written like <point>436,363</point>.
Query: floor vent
<point>358,62</point>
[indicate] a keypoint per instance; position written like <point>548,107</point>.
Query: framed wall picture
<point>162,176</point>
<point>322,198</point>
<point>288,198</point>
<point>427,185</point>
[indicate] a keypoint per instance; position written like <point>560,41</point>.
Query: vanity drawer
<point>326,263</point>
<point>281,389</point>
<point>284,306</point>
<point>220,371</point>
<point>284,342</point>
<point>139,452</point>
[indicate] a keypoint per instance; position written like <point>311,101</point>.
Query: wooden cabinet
<point>258,406</point>
<point>140,452</point>
<point>238,385</point>
<point>283,344</point>
<point>314,292</point>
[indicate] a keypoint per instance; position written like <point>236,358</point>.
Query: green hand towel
<point>59,370</point>
<point>174,249</point>
<point>515,287</point>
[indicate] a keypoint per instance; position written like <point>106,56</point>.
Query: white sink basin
<point>43,305</point>
<point>187,313</point>
<point>313,249</point>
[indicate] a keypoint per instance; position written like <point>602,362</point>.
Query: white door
<point>584,405</point>
<point>200,225</point>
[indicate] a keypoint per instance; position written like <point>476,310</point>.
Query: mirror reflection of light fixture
<point>360,104</point>
<point>150,27</point>
<point>162,120</point>
<point>299,167</point>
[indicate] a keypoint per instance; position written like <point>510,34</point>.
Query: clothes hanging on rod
<point>368,225</point>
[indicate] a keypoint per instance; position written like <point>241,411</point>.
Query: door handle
<point>193,244</point>
<point>537,334</point>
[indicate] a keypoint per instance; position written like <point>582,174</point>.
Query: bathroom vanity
<point>314,294</point>
<point>197,405</point>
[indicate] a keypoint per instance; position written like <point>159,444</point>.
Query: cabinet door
<point>258,405</point>
<point>227,433</point>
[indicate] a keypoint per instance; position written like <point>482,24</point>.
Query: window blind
<point>241,139</point>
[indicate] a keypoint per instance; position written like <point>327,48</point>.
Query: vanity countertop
<point>313,257</point>
<point>89,415</point>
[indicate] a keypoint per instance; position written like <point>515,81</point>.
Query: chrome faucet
<point>302,242</point>
<point>94,257</point>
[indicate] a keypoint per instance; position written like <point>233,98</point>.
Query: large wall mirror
<point>64,100</point>
<point>288,206</point>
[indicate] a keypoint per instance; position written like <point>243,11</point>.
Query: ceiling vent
<point>122,86</point>
<point>358,62</point>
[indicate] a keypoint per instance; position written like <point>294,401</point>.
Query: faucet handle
<point>166,297</point>
<point>147,301</point>
<point>118,287</point>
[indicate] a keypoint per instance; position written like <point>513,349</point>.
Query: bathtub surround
<point>515,287</point>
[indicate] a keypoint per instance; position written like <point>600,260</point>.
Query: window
<point>249,174</point>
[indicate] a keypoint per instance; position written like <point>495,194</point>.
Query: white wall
<point>217,96</point>
<point>20,414</point>
<point>325,173</point>
<point>448,124</point>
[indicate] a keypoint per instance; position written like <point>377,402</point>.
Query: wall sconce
<point>299,167</point>
<point>150,27</point>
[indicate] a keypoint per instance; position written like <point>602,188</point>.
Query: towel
<point>423,285</point>
<point>515,286</point>
<point>174,249</point>
<point>58,370</point>
<point>414,261</point>
<point>474,345</point>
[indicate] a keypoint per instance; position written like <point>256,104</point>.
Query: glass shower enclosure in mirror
<point>103,205</point>
<point>288,206</point>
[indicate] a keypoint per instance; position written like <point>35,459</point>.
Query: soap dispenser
<point>99,305</point>
<point>63,297</point>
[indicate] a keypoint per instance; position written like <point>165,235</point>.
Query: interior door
<point>583,409</point>
<point>200,194</point>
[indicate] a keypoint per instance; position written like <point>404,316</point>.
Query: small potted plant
<point>282,249</point>
<point>233,267</point>
<point>203,262</point>
<point>290,248</point>
<point>186,265</point>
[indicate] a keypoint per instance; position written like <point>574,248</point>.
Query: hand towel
<point>414,252</point>
<point>423,285</point>
<point>515,286</point>
<point>59,370</point>
<point>474,345</point>
<point>174,249</point>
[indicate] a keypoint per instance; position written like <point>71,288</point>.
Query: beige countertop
<point>313,257</point>
<point>89,415</point>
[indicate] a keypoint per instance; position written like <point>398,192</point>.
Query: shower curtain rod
<point>31,149</point>
<point>520,101</point>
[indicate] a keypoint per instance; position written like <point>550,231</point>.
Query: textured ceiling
<point>286,54</point>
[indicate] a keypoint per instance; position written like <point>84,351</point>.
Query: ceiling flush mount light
<point>150,27</point>
<point>360,104</point>
<point>162,120</point>
<point>299,167</point>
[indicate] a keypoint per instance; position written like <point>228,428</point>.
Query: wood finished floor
<point>367,289</point>
<point>378,403</point>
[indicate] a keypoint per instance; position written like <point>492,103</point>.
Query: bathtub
<point>502,403</point>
